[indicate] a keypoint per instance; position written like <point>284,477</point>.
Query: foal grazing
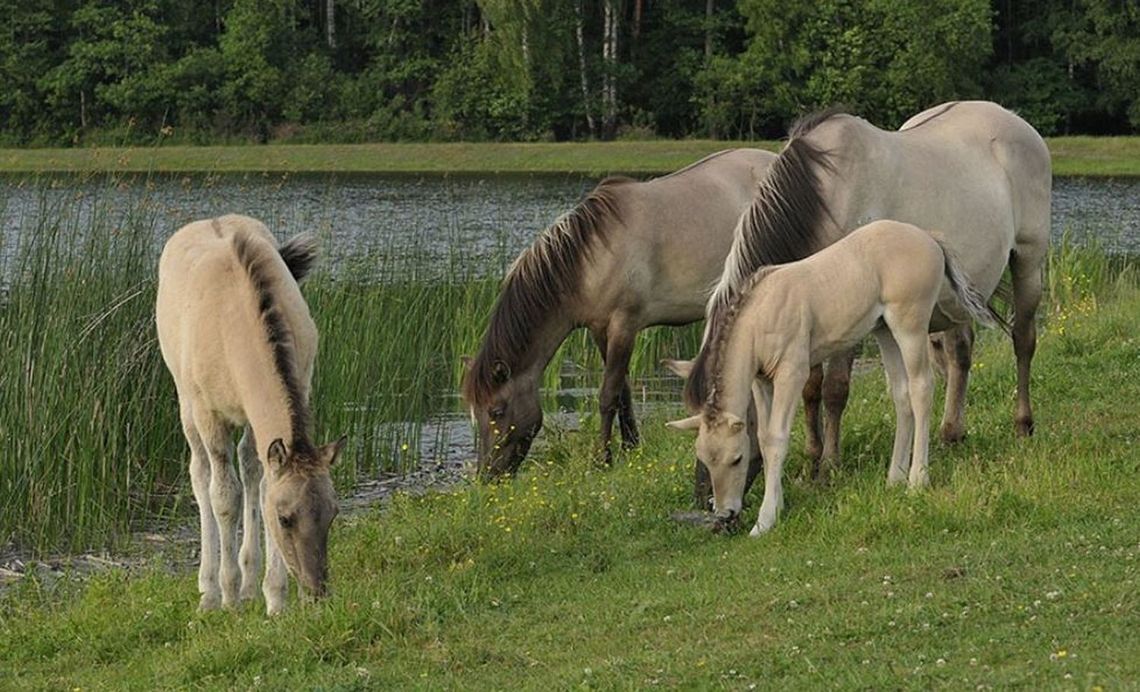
<point>238,340</point>
<point>885,278</point>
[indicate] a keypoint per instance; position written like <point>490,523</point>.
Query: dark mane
<point>715,349</point>
<point>783,224</point>
<point>261,275</point>
<point>541,277</point>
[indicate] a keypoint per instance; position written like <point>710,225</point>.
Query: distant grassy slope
<point>1095,156</point>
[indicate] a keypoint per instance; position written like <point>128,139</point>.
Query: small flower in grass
<point>1059,654</point>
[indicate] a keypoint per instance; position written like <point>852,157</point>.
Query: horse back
<point>673,236</point>
<point>208,311</point>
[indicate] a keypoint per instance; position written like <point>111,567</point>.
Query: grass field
<point>1018,568</point>
<point>1072,156</point>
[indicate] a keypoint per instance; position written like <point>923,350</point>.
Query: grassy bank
<point>1072,156</point>
<point>1019,566</point>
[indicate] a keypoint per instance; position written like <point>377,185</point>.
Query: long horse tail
<point>972,300</point>
<point>300,254</point>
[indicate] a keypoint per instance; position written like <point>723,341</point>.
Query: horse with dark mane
<point>973,169</point>
<point>629,256</point>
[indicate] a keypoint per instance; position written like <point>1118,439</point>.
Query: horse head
<point>724,447</point>
<point>506,416</point>
<point>300,505</point>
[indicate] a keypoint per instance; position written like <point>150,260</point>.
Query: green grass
<point>1072,156</point>
<point>1018,567</point>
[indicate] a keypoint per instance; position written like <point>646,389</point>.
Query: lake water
<point>477,217</point>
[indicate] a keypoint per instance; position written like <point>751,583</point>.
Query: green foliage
<point>885,60</point>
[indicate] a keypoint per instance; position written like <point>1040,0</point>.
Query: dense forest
<point>142,71</point>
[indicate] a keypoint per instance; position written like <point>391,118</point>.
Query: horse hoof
<point>952,434</point>
<point>758,530</point>
<point>1025,428</point>
<point>209,602</point>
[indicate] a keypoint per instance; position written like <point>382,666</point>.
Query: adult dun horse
<point>238,339</point>
<point>972,169</point>
<point>885,278</point>
<point>629,256</point>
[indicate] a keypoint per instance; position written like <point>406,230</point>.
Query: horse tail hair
<point>300,254</point>
<point>973,301</point>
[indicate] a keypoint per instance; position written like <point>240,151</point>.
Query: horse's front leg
<point>249,555</point>
<point>777,409</point>
<point>957,346</point>
<point>615,398</point>
<point>836,388</point>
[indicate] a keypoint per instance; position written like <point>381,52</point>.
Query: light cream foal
<point>884,278</point>
<point>238,339</point>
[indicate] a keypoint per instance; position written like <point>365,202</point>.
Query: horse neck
<point>736,370</point>
<point>269,410</point>
<point>545,338</point>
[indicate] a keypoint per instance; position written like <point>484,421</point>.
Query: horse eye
<point>498,412</point>
<point>737,461</point>
<point>285,521</point>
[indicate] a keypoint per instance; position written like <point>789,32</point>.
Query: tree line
<point>135,71</point>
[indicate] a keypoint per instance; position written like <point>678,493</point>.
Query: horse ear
<point>680,368</point>
<point>330,452</point>
<point>501,372</point>
<point>277,455</point>
<point>734,423</point>
<point>690,424</point>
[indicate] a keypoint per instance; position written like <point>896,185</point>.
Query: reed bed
<point>88,413</point>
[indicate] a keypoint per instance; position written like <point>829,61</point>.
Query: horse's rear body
<point>972,169</point>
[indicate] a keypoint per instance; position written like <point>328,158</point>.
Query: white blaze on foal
<point>238,339</point>
<point>885,278</point>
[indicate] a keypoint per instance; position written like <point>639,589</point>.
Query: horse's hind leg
<point>1025,269</point>
<point>912,345</point>
<point>957,356</point>
<point>250,553</point>
<point>899,388</point>
<point>211,596</point>
<point>813,424</point>
<point>836,388</point>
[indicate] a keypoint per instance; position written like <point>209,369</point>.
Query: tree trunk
<point>582,68</point>
<point>609,58</point>
<point>330,23</point>
<point>708,30</point>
